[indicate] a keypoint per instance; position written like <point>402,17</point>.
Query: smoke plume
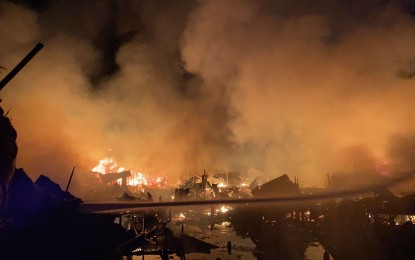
<point>177,86</point>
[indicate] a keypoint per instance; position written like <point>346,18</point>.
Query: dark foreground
<point>43,222</point>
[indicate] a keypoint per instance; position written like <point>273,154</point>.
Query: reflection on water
<point>250,237</point>
<point>242,248</point>
<point>345,230</point>
<point>222,232</point>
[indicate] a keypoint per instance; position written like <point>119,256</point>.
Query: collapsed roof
<point>281,186</point>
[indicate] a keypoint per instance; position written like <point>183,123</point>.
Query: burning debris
<point>202,187</point>
<point>109,167</point>
<point>113,181</point>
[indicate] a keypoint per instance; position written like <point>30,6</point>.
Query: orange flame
<point>107,165</point>
<point>137,179</point>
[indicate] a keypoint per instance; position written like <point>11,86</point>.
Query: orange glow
<point>137,178</point>
<point>221,185</point>
<point>107,165</point>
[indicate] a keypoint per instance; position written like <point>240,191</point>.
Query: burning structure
<point>109,181</point>
<point>204,187</point>
<point>280,187</point>
<point>169,85</point>
<point>194,189</point>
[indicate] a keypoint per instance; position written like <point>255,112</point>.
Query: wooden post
<point>229,247</point>
<point>20,65</point>
<point>70,179</point>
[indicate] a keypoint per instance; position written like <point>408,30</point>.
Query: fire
<point>221,185</point>
<point>137,179</point>
<point>107,165</point>
<point>224,209</point>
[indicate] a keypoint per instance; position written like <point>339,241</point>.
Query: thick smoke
<point>174,87</point>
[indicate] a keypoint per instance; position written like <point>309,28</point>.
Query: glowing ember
<point>224,209</point>
<point>221,185</point>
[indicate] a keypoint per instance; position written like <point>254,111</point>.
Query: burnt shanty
<point>220,129</point>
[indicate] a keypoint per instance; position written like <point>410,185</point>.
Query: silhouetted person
<point>149,197</point>
<point>229,247</point>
